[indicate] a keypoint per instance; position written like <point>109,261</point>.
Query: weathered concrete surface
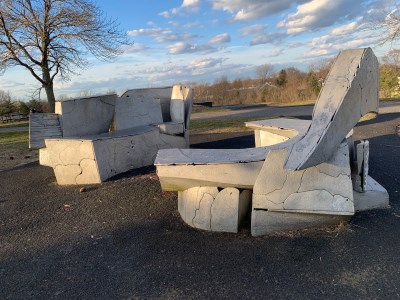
<point>97,158</point>
<point>86,116</point>
<point>163,94</point>
<point>138,132</point>
<point>139,109</point>
<point>374,196</point>
<point>308,173</point>
<point>209,209</point>
<point>323,189</point>
<point>274,131</point>
<point>350,91</point>
<point>42,126</point>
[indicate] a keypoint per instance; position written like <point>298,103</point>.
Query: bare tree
<point>264,71</point>
<point>392,58</point>
<point>51,38</point>
<point>390,25</point>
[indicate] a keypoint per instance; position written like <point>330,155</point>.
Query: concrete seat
<point>119,134</point>
<point>298,180</point>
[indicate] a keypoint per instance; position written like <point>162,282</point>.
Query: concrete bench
<point>294,178</point>
<point>108,135</point>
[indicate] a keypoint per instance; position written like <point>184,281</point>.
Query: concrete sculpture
<point>91,148</point>
<point>298,177</point>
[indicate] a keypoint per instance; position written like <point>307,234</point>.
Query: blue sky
<point>177,41</point>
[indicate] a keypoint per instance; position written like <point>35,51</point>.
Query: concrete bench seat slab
<point>299,177</point>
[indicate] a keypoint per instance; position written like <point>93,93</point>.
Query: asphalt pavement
<point>124,239</point>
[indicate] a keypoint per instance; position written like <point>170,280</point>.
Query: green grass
<point>15,124</point>
<point>14,138</point>
<point>201,109</point>
<point>389,99</point>
<point>224,125</point>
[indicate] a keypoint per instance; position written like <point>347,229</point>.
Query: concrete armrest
<point>281,126</point>
<point>275,131</point>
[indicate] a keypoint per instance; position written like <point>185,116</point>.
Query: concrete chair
<point>100,137</point>
<point>304,181</point>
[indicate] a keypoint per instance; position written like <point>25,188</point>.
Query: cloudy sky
<point>177,41</point>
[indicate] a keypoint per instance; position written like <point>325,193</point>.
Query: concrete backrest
<point>162,94</point>
<point>350,91</point>
<point>139,107</point>
<point>86,116</point>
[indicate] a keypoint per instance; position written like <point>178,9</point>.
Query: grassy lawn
<point>220,126</point>
<point>14,150</point>
<point>15,124</point>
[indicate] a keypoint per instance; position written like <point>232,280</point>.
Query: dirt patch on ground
<point>15,155</point>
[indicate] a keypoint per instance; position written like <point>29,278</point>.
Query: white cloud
<point>243,10</point>
<point>184,47</point>
<point>253,29</point>
<point>161,35</point>
<point>187,7</point>
<point>317,14</point>
<point>220,39</point>
<point>345,29</point>
<point>261,36</point>
<point>267,38</point>
<point>134,48</point>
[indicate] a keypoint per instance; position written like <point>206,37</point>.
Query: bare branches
<point>51,38</point>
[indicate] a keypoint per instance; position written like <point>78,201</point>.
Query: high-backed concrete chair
<point>89,148</point>
<point>301,182</point>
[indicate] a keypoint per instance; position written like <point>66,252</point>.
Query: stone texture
<point>373,196</point>
<point>163,94</point>
<point>93,160</point>
<point>350,91</point>
<point>302,178</point>
<point>85,116</point>
<point>265,222</point>
<point>274,131</point>
<point>42,126</point>
<point>323,189</point>
<point>209,209</point>
<point>360,160</point>
<point>139,132</point>
<point>137,109</point>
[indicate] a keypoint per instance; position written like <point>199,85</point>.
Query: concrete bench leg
<point>208,208</point>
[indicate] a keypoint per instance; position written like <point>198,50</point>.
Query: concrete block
<point>374,196</point>
<point>325,188</point>
<point>44,158</point>
<point>360,167</point>
<point>208,208</point>
<point>138,109</point>
<point>265,222</point>
<point>85,116</point>
<point>163,94</point>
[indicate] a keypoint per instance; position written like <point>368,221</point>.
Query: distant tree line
<point>290,85</point>
<point>9,106</point>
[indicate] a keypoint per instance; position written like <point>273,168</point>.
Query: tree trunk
<point>51,100</point>
<point>48,87</point>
